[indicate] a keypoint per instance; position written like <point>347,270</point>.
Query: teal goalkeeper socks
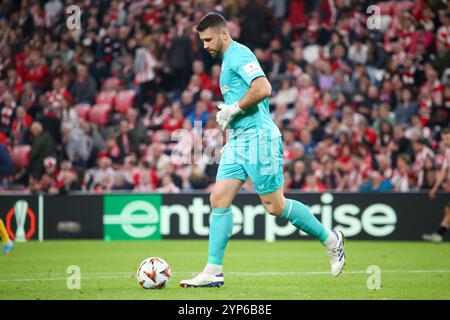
<point>219,232</point>
<point>301,217</point>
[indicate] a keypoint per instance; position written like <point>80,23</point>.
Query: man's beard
<point>216,52</point>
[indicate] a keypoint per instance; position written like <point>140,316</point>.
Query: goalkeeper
<point>253,149</point>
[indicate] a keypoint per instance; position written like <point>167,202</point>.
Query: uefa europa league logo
<point>20,212</point>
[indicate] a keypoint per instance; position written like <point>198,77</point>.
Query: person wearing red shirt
<point>312,184</point>
<point>215,82</point>
<point>297,13</point>
<point>145,178</point>
<point>199,70</point>
<point>366,134</point>
<point>35,70</point>
<point>175,120</point>
<point>15,82</point>
<point>58,94</point>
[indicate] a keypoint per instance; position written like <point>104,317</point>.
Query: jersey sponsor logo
<point>252,68</point>
<point>224,89</point>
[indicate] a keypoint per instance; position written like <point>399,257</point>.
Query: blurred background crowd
<point>96,108</point>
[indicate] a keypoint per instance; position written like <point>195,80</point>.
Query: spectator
<point>383,114</point>
<point>325,107</point>
<point>298,175</point>
<point>98,142</point>
<point>406,108</point>
<point>401,176</point>
<point>78,145</point>
<point>144,69</point>
<point>308,144</point>
<point>399,144</point>
<point>421,154</point>
<point>67,115</point>
<point>385,136</point>
<point>312,184</point>
<point>20,125</point>
<point>157,158</point>
<point>84,87</point>
<point>366,135</point>
<point>167,185</point>
<point>180,58</point>
<point>146,178</point>
<point>6,166</point>
<point>69,183</point>
<point>187,103</point>
<point>175,177</point>
<point>252,22</point>
<point>354,168</point>
<point>342,85</point>
<point>286,95</point>
<point>175,120</point>
<point>127,140</point>
<point>330,177</point>
<point>427,175</point>
<point>358,52</point>
<point>198,179</point>
<point>157,113</point>
<point>58,94</point>
<point>287,181</point>
<point>384,166</point>
<point>121,183</point>
<point>199,70</point>
<point>377,183</point>
<point>326,77</point>
<point>200,113</point>
<point>29,100</point>
<point>136,126</point>
<point>103,175</point>
<point>7,111</point>
<point>35,70</point>
<point>42,147</point>
<point>113,151</point>
<point>281,115</point>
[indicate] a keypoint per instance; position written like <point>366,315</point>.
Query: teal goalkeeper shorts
<point>263,163</point>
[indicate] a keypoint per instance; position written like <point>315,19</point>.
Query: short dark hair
<point>211,20</point>
<point>446,131</point>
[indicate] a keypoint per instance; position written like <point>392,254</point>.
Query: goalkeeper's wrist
<point>236,108</point>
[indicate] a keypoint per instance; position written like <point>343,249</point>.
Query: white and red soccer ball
<point>154,273</point>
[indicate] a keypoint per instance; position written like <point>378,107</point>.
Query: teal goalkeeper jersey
<point>239,68</point>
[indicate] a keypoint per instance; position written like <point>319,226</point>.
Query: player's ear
<point>224,34</point>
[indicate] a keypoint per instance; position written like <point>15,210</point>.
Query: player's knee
<point>275,209</point>
<point>217,201</point>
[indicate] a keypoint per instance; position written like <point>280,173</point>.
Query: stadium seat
<point>106,97</point>
<point>124,100</point>
<point>99,114</point>
<point>21,156</point>
<point>82,110</point>
<point>112,83</point>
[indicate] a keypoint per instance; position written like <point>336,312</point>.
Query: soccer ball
<point>154,273</point>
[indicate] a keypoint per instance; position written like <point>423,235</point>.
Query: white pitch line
<point>117,275</point>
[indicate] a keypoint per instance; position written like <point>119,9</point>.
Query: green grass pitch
<point>287,270</point>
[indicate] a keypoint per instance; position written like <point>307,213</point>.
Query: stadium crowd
<point>96,107</point>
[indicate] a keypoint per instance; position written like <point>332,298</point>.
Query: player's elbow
<point>268,91</point>
<point>265,90</point>
<point>262,88</point>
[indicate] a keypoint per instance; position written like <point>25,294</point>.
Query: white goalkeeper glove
<point>226,113</point>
